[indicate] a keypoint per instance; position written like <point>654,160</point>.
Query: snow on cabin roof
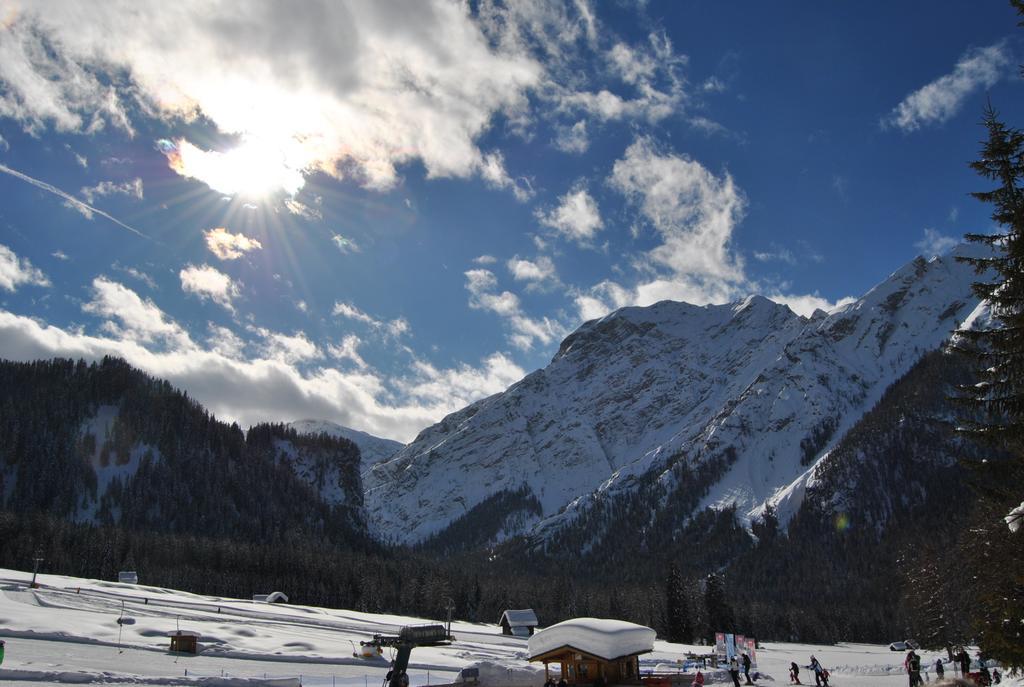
<point>521,618</point>
<point>183,633</point>
<point>607,639</point>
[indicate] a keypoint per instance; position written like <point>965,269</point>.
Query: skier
<point>2,645</point>
<point>818,670</point>
<point>698,679</point>
<point>746,668</point>
<point>794,674</point>
<point>940,671</point>
<point>734,671</point>
<point>996,677</point>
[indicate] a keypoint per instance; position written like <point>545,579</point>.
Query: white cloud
<point>128,316</point>
<point>650,70</point>
<point>108,188</point>
<point>485,260</point>
<point>776,254</point>
<point>806,305</point>
<point>573,139</point>
<point>935,243</point>
<point>228,246</point>
<point>206,282</point>
<point>15,271</point>
<point>136,274</point>
<point>60,255</point>
<point>938,101</point>
<point>356,89</point>
<point>345,244</point>
<point>463,383</point>
<point>260,389</point>
<point>393,328</point>
<point>524,331</point>
<point>576,217</point>
<point>492,169</point>
<point>225,342</point>
<point>4,145</point>
<point>539,273</point>
<point>288,348</point>
<point>349,350</point>
<point>694,211</point>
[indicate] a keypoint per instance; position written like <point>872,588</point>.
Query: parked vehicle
<point>905,645</point>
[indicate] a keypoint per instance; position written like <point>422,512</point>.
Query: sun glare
<point>254,169</point>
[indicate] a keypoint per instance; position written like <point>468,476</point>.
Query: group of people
<point>734,669</point>
<point>961,660</point>
<point>820,674</point>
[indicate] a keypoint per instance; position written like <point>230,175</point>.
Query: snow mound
<point>503,675</point>
<point>601,637</point>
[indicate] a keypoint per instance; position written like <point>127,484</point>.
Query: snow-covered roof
<point>183,633</point>
<point>601,637</point>
<point>521,618</point>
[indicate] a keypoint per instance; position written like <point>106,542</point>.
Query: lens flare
<point>842,522</point>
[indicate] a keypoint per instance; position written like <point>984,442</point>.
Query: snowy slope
<point>750,386</point>
<point>372,449</point>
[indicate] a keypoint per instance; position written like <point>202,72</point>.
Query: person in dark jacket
<point>940,670</point>
<point>563,683</point>
<point>794,673</point>
<point>965,663</point>
<point>913,665</point>
<point>746,668</point>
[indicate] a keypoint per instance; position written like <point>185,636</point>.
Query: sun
<point>253,170</point>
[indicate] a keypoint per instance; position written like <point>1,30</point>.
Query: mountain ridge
<point>649,393</point>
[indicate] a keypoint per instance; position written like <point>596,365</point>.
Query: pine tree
<point>677,609</point>
<point>998,397</point>
<point>999,348</point>
<point>720,617</point>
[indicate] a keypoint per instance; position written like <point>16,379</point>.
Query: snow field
<point>66,633</point>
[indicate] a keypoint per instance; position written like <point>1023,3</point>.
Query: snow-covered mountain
<point>749,395</point>
<point>372,449</point>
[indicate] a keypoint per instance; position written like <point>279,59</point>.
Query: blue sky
<point>377,212</point>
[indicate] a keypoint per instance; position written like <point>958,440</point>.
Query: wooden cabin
<point>519,623</point>
<point>588,648</point>
<point>184,641</point>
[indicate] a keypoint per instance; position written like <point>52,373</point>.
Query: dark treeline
<point>194,474</point>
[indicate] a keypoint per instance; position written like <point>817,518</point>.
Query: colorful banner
<point>720,646</point>
<point>752,652</point>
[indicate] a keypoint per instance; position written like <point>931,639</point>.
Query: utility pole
<point>35,571</point>
<point>450,607</point>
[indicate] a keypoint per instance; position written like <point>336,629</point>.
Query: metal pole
<point>35,570</point>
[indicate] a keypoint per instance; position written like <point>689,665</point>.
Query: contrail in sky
<point>78,205</point>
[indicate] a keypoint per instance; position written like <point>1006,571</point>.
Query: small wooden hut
<point>184,641</point>
<point>586,648</point>
<point>519,623</point>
